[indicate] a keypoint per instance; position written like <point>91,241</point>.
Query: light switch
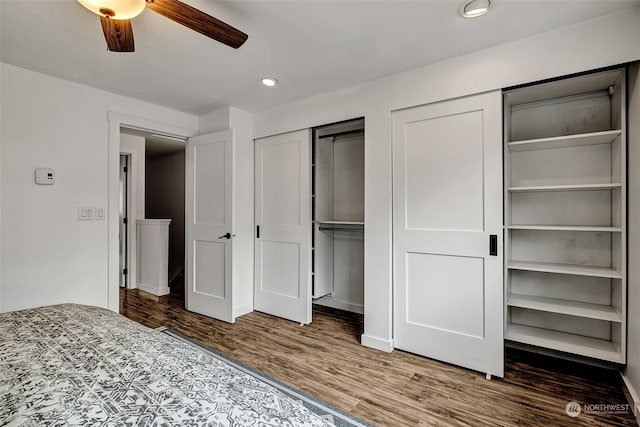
<point>86,214</point>
<point>99,213</point>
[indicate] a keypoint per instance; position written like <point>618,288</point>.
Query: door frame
<point>135,207</point>
<point>128,208</point>
<point>116,121</point>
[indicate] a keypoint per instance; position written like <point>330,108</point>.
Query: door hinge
<point>126,169</point>
<point>125,271</point>
<point>257,232</point>
<point>125,221</point>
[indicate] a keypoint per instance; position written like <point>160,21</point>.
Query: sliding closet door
<point>209,206</point>
<point>447,225</point>
<point>283,226</point>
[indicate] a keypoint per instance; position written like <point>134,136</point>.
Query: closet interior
<point>565,215</point>
<point>338,215</point>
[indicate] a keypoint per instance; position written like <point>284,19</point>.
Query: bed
<point>71,364</point>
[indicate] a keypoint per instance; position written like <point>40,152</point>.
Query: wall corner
<point>215,121</point>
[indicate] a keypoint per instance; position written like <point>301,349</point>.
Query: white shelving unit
<point>565,215</point>
<point>338,215</point>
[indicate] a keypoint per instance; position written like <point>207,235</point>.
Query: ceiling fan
<point>115,17</point>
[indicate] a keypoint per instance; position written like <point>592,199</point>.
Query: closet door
<point>447,224</point>
<point>209,210</point>
<point>283,226</point>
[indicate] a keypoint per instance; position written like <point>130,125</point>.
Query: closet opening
<point>338,216</point>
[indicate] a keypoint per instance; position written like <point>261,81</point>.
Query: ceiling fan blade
<point>118,33</point>
<point>198,21</point>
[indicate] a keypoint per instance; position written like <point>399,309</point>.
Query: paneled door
<point>447,232</point>
<point>209,213</point>
<point>283,226</point>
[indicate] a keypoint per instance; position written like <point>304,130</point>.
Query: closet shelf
<point>577,270</point>
<point>340,222</point>
<point>562,341</point>
<point>565,228</point>
<point>571,187</point>
<point>565,141</point>
<point>571,308</point>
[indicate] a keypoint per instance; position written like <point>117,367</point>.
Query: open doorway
<point>152,199</point>
<point>165,199</point>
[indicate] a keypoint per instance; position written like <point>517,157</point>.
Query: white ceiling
<point>311,46</point>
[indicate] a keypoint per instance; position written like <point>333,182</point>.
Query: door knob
<point>225,236</point>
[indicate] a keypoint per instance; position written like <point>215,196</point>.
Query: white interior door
<point>447,203</point>
<point>283,226</point>
<point>209,201</point>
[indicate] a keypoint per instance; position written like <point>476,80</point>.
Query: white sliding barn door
<point>283,226</point>
<point>447,202</point>
<point>209,205</point>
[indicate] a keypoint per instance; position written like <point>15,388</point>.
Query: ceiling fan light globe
<point>115,9</point>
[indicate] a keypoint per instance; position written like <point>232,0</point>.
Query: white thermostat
<point>45,176</point>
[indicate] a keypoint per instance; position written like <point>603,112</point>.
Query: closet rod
<point>346,132</point>
<point>339,229</point>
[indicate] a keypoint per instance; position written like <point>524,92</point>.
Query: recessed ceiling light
<point>474,8</point>
<point>269,81</point>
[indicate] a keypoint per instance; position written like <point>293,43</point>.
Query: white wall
<point>243,242</point>
<point>47,256</point>
<point>601,42</point>
<point>632,371</point>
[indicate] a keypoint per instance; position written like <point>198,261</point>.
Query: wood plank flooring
<point>326,360</point>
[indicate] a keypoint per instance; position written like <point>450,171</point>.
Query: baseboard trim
<point>632,397</point>
<point>241,311</point>
<point>153,289</point>
<point>377,343</point>
<point>340,304</point>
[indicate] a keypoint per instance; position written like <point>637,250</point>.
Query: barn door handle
<point>493,245</point>
<point>225,236</point>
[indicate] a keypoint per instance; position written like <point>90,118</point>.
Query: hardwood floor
<point>326,360</point>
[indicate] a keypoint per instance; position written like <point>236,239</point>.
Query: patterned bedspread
<point>77,365</point>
